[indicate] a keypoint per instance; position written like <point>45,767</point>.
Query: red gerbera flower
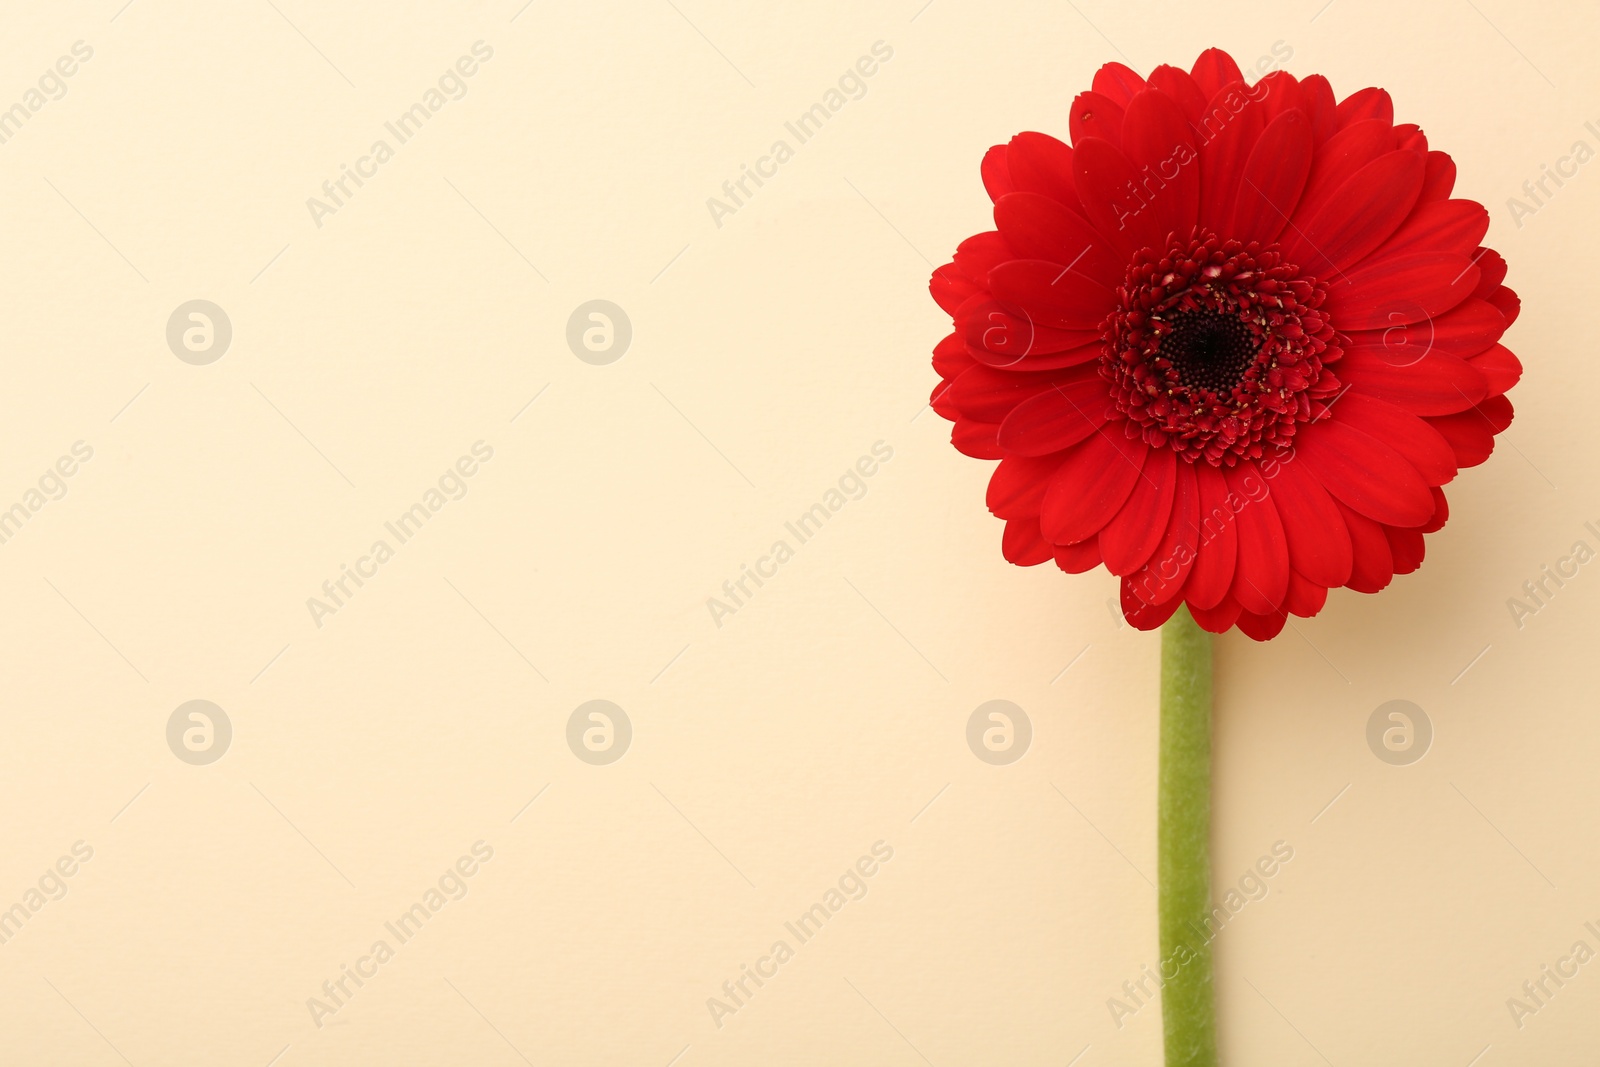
<point>1230,343</point>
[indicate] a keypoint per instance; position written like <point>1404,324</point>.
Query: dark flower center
<point>1209,349</point>
<point>1218,349</point>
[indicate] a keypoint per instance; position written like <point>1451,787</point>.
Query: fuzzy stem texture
<point>1188,1008</point>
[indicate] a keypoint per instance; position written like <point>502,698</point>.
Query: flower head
<point>1229,343</point>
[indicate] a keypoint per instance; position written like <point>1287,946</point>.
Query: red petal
<point>1106,182</point>
<point>1117,83</point>
<point>979,254</point>
<point>1320,106</point>
<point>1406,547</point>
<point>1441,513</point>
<point>1179,85</point>
<point>1002,334</point>
<point>1017,485</point>
<point>1037,227</point>
<point>1094,115</point>
<point>1162,577</point>
<point>1159,144</point>
<point>1057,418</point>
<point>1261,627</point>
<point>1470,327</point>
<point>1471,439</point>
<point>950,287</point>
<point>1305,597</point>
<point>1440,179</point>
<point>1364,473</point>
<point>950,358</point>
<point>1409,135</point>
<point>1372,103</point>
<point>989,395</point>
<point>1471,433</point>
<point>1040,360</point>
<point>1228,131</point>
<point>1092,484</point>
<point>1079,558</point>
<point>1262,573</point>
<point>1491,271</point>
<point>1467,329</point>
<point>1365,210</point>
<point>1052,293</point>
<point>1345,153</point>
<point>1218,541</point>
<point>1143,616</point>
<point>1216,619</point>
<point>1400,290</point>
<point>1420,444</point>
<point>1280,93</point>
<point>1373,563</point>
<point>1041,164</point>
<point>1441,226</point>
<point>1436,384</point>
<point>1506,300</point>
<point>1213,69</point>
<point>1129,538</point>
<point>976,439</point>
<point>1022,543</point>
<point>1501,369</point>
<point>1319,544</point>
<point>1274,176</point>
<point>996,172</point>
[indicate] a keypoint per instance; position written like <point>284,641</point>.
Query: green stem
<point>1188,1009</point>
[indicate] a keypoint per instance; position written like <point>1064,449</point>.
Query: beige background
<point>827,714</point>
